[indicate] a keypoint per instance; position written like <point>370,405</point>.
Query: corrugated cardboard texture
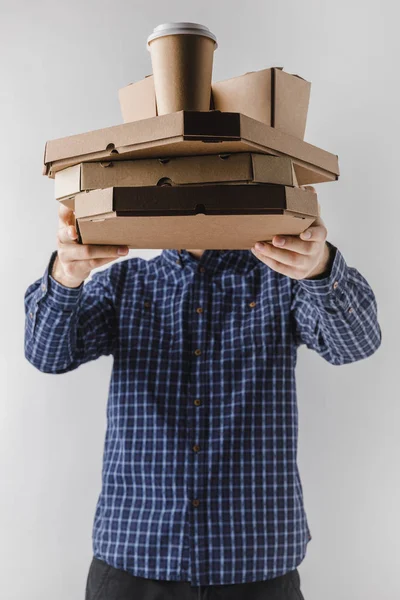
<point>190,133</point>
<point>196,231</point>
<point>241,167</point>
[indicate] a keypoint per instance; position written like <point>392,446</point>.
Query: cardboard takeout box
<point>187,133</point>
<point>212,216</point>
<point>220,168</point>
<point>272,96</point>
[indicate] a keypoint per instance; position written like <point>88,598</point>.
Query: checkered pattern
<point>200,481</point>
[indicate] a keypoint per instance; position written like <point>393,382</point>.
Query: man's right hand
<point>75,261</point>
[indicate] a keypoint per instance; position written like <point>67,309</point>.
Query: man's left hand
<point>299,257</point>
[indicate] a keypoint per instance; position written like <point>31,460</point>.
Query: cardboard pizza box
<point>188,133</point>
<point>198,216</point>
<point>244,167</point>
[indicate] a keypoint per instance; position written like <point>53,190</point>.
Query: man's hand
<point>74,261</point>
<point>299,257</point>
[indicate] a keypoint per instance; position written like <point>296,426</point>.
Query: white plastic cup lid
<point>179,28</point>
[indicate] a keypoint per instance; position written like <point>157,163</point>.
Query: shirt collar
<point>214,261</point>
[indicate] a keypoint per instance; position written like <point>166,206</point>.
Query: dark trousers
<point>104,582</point>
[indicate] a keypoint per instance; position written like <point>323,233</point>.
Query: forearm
<point>337,315</point>
<point>66,327</point>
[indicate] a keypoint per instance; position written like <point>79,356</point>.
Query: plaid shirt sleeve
<point>66,327</point>
<point>337,315</point>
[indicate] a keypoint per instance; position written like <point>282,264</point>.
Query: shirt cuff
<point>330,289</point>
<point>56,294</point>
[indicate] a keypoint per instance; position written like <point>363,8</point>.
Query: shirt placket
<point>197,399</point>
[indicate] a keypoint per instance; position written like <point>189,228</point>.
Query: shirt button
<point>197,352</point>
<point>199,310</point>
<point>147,304</point>
<point>197,402</point>
<point>335,285</point>
<point>178,262</point>
<point>202,269</point>
<point>196,448</point>
<point>43,287</point>
<point>31,315</point>
<point>252,304</point>
<point>195,502</point>
<point>350,310</point>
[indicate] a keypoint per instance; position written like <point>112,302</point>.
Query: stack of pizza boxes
<point>220,179</point>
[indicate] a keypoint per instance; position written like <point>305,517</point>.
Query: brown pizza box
<point>197,216</point>
<point>272,96</point>
<point>243,167</point>
<point>188,133</point>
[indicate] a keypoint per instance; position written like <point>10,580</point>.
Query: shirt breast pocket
<point>146,333</point>
<point>159,327</point>
<point>249,329</point>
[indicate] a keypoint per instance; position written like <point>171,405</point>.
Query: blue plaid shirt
<point>200,481</point>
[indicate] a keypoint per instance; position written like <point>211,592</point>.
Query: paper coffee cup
<point>182,59</point>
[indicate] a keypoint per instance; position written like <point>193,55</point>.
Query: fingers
<point>294,244</point>
<point>75,261</point>
<point>65,216</point>
<point>67,234</point>
<point>88,252</point>
<point>285,257</point>
<point>279,267</point>
<point>80,269</point>
<point>317,232</point>
<point>294,256</point>
<point>70,250</point>
<point>304,243</point>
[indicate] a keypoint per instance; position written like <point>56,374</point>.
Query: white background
<point>61,66</point>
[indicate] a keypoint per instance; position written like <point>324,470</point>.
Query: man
<point>201,495</point>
